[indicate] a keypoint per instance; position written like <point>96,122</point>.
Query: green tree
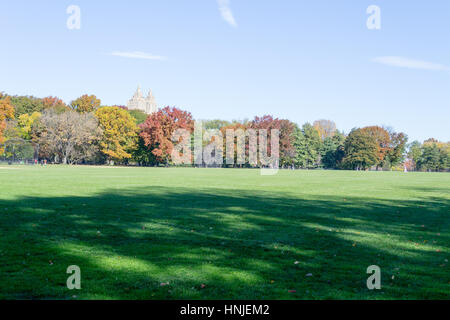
<point>307,144</point>
<point>415,153</point>
<point>16,148</point>
<point>361,150</point>
<point>142,156</point>
<point>434,156</point>
<point>444,158</point>
<point>431,157</point>
<point>215,124</point>
<point>26,104</point>
<point>396,152</point>
<point>332,150</point>
<point>138,115</point>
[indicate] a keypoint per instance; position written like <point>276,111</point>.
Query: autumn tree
<point>158,129</point>
<point>24,127</point>
<point>44,148</point>
<point>55,103</point>
<point>383,141</point>
<point>239,157</point>
<point>25,123</point>
<point>287,143</point>
<point>86,103</point>
<point>221,127</point>
<point>119,133</point>
<point>71,137</point>
<point>325,128</point>
<point>397,148</point>
<point>361,150</point>
<point>6,112</point>
<point>287,151</point>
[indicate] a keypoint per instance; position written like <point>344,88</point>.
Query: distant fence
<point>18,151</point>
<point>17,162</point>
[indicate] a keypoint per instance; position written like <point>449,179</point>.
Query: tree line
<point>85,132</point>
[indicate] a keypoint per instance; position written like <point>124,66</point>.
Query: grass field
<point>148,233</point>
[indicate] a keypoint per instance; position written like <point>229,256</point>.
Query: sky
<point>235,59</point>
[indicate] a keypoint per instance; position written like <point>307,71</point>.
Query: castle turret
<point>138,93</point>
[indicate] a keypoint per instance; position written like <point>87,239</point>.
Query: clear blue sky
<point>295,59</point>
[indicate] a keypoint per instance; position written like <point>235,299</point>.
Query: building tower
<point>150,101</point>
<point>138,102</point>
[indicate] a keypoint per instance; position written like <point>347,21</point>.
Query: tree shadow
<point>177,243</point>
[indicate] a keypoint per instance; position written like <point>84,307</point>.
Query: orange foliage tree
<point>6,112</point>
<point>55,103</point>
<point>382,139</point>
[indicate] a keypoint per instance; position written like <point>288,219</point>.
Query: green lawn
<point>222,233</point>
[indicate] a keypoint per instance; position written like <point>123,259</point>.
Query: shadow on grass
<point>176,243</point>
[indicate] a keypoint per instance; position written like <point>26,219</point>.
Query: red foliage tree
<point>158,129</point>
<point>235,127</point>
<point>286,127</point>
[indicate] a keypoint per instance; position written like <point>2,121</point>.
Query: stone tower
<point>138,102</point>
<point>151,103</point>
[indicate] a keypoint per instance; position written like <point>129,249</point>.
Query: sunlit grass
<point>147,233</point>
